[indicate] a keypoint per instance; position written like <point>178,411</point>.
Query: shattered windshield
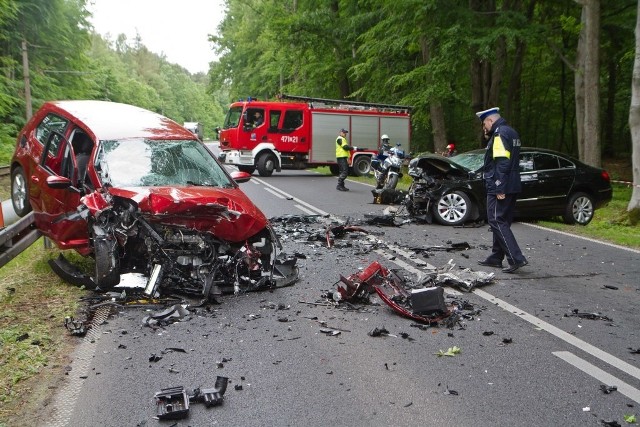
<point>471,160</point>
<point>155,163</point>
<point>233,118</point>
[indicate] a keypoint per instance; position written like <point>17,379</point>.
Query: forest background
<point>561,71</point>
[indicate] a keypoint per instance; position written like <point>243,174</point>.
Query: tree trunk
<point>438,126</point>
<point>587,84</point>
<point>634,124</point>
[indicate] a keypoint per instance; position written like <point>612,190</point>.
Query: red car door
<point>56,214</point>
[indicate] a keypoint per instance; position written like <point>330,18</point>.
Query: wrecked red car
<point>139,193</point>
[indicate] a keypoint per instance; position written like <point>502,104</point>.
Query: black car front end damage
<point>439,190</point>
<point>176,258</point>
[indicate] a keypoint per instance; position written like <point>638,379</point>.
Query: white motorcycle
<point>388,169</point>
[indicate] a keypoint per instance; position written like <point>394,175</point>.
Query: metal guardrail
<point>17,237</point>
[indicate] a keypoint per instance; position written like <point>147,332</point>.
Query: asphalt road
<point>285,372</point>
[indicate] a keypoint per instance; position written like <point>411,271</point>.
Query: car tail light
<point>605,176</point>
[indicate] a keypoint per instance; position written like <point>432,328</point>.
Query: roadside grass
<point>33,341</point>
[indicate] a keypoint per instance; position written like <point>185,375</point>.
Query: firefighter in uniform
<point>343,151</point>
<point>501,172</point>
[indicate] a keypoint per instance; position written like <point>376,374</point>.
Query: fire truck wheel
<point>247,169</point>
<point>334,169</point>
<point>266,164</point>
<point>361,166</point>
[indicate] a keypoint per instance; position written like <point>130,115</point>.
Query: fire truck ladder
<point>339,102</point>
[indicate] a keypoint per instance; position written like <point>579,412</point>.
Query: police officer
<point>501,174</point>
<point>343,151</point>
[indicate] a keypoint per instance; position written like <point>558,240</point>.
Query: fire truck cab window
<point>274,119</point>
<point>292,120</point>
<point>254,117</point>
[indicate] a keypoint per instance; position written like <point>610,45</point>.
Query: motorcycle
<point>387,166</point>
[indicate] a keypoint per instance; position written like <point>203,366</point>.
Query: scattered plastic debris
<point>608,389</point>
<point>173,403</point>
<point>584,315</point>
<point>451,351</point>
<point>75,327</point>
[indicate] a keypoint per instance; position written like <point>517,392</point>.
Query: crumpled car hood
<point>434,164</point>
<point>225,212</point>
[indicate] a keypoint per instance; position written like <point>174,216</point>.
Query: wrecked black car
<point>450,190</point>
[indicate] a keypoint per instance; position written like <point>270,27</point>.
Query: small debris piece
<point>211,396</point>
<point>451,351</point>
<point>408,404</point>
<point>22,337</point>
<point>238,386</point>
<point>378,332</point>
<point>487,333</point>
<point>331,332</point>
<point>611,423</point>
<point>172,403</point>
<point>608,389</point>
<point>634,350</point>
<point>591,316</point>
<point>615,288</point>
<point>507,340</point>
<point>449,392</point>
<point>75,327</point>
<point>154,358</point>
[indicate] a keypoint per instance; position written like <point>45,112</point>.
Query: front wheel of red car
<point>107,269</point>
<point>20,192</point>
<point>453,208</point>
<point>579,209</point>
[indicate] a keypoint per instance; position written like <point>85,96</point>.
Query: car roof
<point>112,120</point>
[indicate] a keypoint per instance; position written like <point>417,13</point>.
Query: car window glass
<point>50,123</point>
<point>526,162</point>
<point>53,155</point>
<point>152,163</point>
<point>544,161</point>
<point>566,164</point>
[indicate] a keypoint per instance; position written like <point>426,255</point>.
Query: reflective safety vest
<point>341,142</point>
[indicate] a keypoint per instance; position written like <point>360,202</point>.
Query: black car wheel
<point>107,267</point>
<point>20,192</point>
<point>266,164</point>
<point>453,208</point>
<point>579,209</point>
<point>361,166</point>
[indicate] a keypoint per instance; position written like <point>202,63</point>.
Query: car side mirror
<point>240,177</point>
<point>61,183</point>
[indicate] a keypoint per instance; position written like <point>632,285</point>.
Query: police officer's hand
<point>500,196</point>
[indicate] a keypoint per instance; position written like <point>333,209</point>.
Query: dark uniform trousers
<point>500,217</point>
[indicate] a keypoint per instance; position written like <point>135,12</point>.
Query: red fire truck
<point>296,132</point>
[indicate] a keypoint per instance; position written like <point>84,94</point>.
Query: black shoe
<point>513,267</point>
<point>490,264</point>
<point>342,189</point>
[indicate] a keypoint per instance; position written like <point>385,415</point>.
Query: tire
<point>267,164</point>
<point>247,169</point>
<point>334,169</point>
<point>107,268</point>
<point>453,208</point>
<point>20,192</point>
<point>579,209</point>
<point>392,182</point>
<point>361,166</point>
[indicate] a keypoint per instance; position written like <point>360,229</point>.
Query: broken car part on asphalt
<point>173,403</point>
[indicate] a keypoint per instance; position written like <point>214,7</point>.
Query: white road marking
<point>290,197</point>
<point>564,336</point>
<point>275,193</point>
<point>305,210</point>
<point>597,373</point>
